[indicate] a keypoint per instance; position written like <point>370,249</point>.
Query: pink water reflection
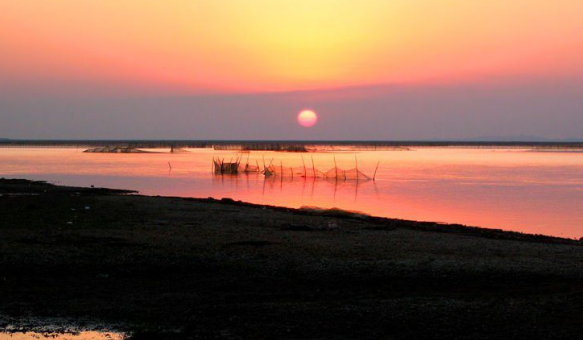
<point>534,192</point>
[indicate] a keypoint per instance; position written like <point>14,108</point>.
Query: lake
<point>82,335</point>
<point>512,189</point>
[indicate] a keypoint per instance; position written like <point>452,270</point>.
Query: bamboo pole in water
<point>375,171</point>
<point>304,163</point>
<point>336,168</point>
<point>356,161</point>
<point>313,167</point>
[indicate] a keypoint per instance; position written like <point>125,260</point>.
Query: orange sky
<point>192,46</point>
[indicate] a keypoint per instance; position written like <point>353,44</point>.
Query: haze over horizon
<point>372,70</point>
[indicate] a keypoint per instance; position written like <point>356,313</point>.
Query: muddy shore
<point>175,268</point>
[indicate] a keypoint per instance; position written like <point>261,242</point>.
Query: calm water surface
<point>533,192</point>
<point>86,335</point>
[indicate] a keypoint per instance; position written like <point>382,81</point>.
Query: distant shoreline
<point>286,144</point>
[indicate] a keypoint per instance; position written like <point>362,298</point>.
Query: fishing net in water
<point>222,167</point>
<point>334,173</point>
<point>286,171</point>
<point>249,168</point>
<point>234,167</point>
<point>350,174</point>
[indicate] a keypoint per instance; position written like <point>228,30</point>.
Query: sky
<point>234,69</point>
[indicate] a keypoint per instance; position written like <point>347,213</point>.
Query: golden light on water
<point>307,118</point>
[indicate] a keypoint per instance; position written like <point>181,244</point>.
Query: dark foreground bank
<point>173,268</point>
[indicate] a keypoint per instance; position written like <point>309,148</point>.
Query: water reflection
<point>517,190</point>
<point>85,335</point>
<point>309,187</point>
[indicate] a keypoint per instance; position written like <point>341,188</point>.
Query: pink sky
<point>186,46</point>
<point>69,49</point>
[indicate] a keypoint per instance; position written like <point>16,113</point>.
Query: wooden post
<point>336,168</point>
<point>356,161</point>
<point>375,171</point>
<point>281,168</point>
<point>304,163</point>
<point>313,167</point>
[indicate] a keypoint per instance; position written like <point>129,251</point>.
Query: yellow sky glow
<point>283,45</point>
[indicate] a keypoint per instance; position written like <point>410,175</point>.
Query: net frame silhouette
<point>280,170</point>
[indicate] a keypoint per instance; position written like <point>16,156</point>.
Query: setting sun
<point>291,168</point>
<point>307,118</point>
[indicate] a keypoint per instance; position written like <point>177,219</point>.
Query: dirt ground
<point>175,268</point>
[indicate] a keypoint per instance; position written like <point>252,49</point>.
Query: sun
<point>307,118</point>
